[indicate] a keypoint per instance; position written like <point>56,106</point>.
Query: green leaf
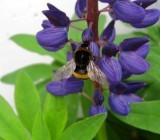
<point>10,126</point>
<point>55,113</point>
<point>40,130</point>
<point>29,43</point>
<point>26,99</point>
<point>36,72</point>
<point>85,129</point>
<point>72,102</point>
<point>144,115</point>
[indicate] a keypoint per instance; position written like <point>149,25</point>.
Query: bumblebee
<point>82,66</point>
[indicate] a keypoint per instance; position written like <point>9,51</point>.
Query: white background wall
<point>24,16</point>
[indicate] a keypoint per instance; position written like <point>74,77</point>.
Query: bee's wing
<point>66,71</point>
<point>95,74</point>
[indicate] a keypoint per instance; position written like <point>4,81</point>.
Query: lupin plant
<point>106,69</point>
<point>95,73</point>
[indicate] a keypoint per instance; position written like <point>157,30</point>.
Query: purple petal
<point>110,49</point>
<point>117,88</point>
<point>94,49</point>
<point>53,38</point>
<point>98,97</point>
<point>65,86</point>
<point>127,11</point>
<point>108,1</point>
<point>69,56</point>
<point>119,104</point>
<point>132,98</point>
<point>80,8</point>
<point>111,69</point>
<point>132,44</point>
<point>94,110</point>
<point>56,17</point>
<point>151,17</point>
<point>143,51</point>
<point>144,3</point>
<point>46,24</point>
<point>133,63</point>
<point>132,87</point>
<point>74,47</point>
<point>108,33</point>
<point>87,35</point>
<point>125,74</point>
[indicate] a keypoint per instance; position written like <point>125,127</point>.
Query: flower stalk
<point>92,16</point>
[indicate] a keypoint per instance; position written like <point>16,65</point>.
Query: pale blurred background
<point>24,16</point>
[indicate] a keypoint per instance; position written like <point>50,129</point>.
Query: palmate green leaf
<point>10,126</point>
<point>55,113</point>
<point>40,130</point>
<point>36,72</point>
<point>27,100</point>
<point>29,43</point>
<point>145,115</point>
<point>85,129</point>
<point>72,102</point>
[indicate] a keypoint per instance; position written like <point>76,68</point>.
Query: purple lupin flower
<point>151,15</point>
<point>122,95</point>
<point>54,35</point>
<point>80,8</point>
<point>52,38</point>
<point>130,60</point>
<point>108,34</point>
<point>127,11</point>
<point>97,107</point>
<point>65,86</point>
<point>111,68</point>
<point>94,49</point>
<point>87,35</point>
<point>134,12</point>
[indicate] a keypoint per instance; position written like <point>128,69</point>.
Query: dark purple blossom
<point>54,35</point>
<point>144,3</point>
<point>108,1</point>
<point>127,11</point>
<point>80,8</point>
<point>46,24</point>
<point>52,38</point>
<point>110,49</point>
<point>87,35</point>
<point>111,68</point>
<point>98,97</point>
<point>97,107</point>
<point>56,17</point>
<point>94,49</point>
<point>65,86</point>
<point>108,34</point>
<point>122,95</point>
<point>151,17</point>
<point>142,51</point>
<point>131,60</point>
<point>134,12</point>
